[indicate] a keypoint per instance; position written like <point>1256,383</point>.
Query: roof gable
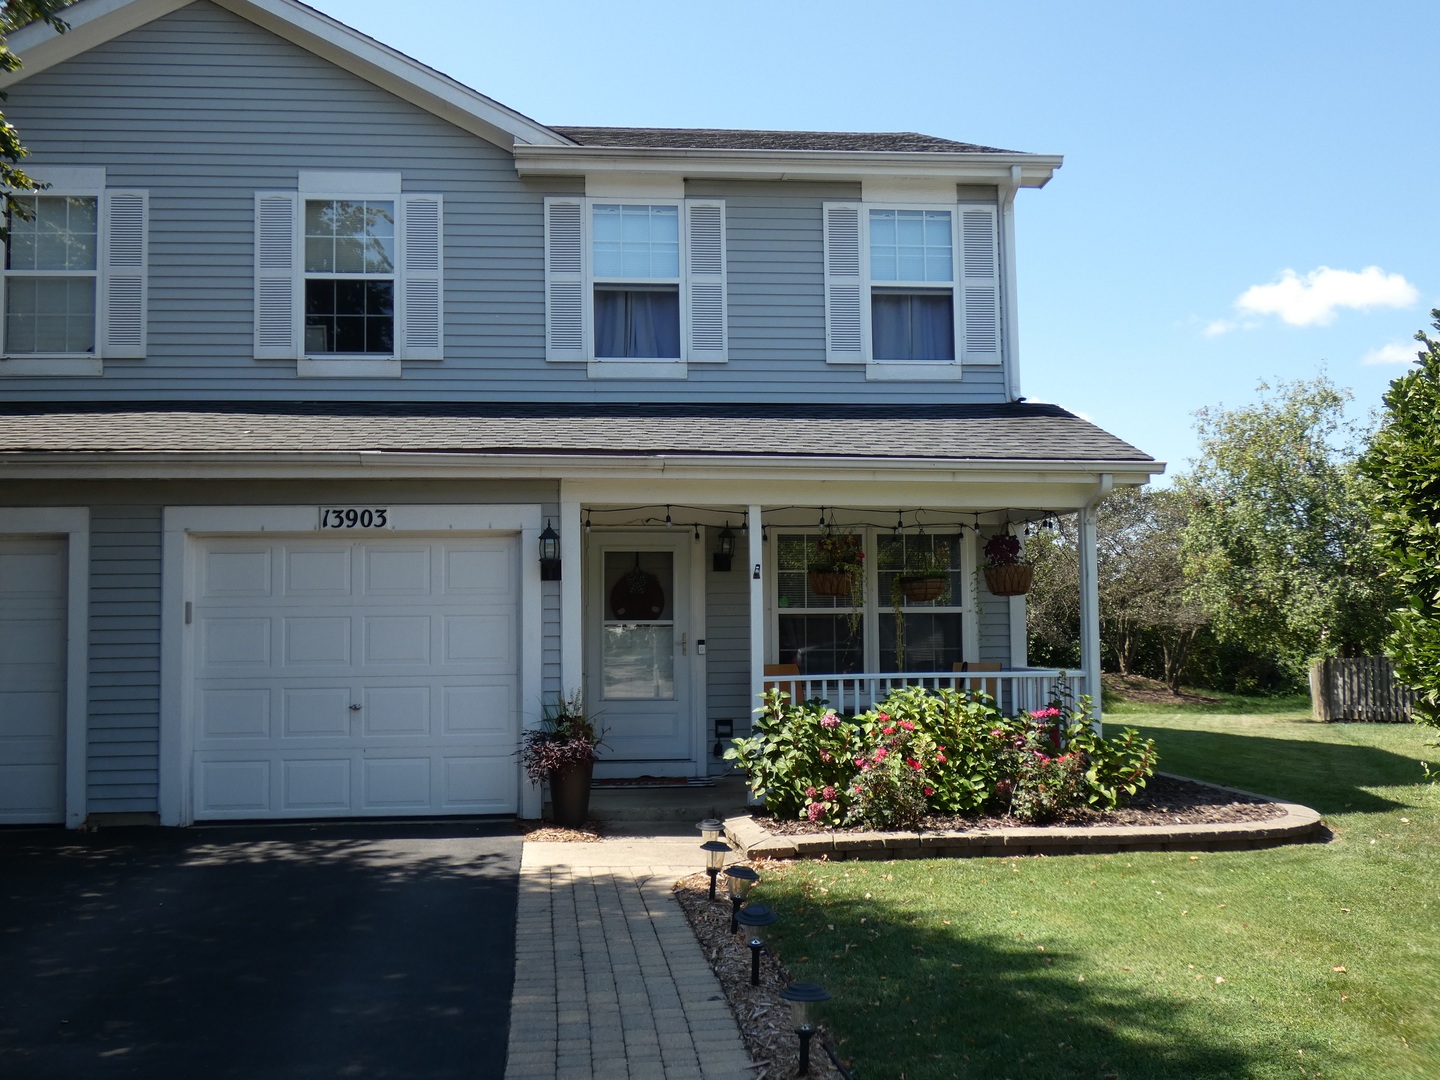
<point>94,22</point>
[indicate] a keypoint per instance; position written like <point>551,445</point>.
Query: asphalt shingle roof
<point>736,139</point>
<point>1010,432</point>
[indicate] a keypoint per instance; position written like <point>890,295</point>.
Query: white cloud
<point>1397,352</point>
<point>1312,300</point>
<point>1218,327</point>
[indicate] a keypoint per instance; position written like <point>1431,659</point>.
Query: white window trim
<point>963,600</point>
<point>703,291</point>
<point>121,276</point>
<point>419,325</point>
<point>849,284</point>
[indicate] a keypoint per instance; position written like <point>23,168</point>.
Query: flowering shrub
<point>922,753</point>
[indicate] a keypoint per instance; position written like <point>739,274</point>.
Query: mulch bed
<point>1166,800</point>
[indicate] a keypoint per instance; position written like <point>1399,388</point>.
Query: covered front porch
<point>675,617</point>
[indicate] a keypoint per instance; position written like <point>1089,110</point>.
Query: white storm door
<point>365,677</point>
<point>638,661</point>
<point>32,680</point>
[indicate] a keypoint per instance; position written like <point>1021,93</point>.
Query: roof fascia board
<point>1035,169</point>
<point>924,471</point>
<point>93,22</point>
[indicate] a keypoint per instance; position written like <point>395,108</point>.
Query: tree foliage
<point>1277,547</point>
<point>1403,466</point>
<point>1147,624</point>
<point>13,15</point>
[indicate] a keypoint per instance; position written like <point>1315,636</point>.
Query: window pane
<point>912,326</point>
<point>50,315</point>
<point>636,242</point>
<point>932,641</point>
<point>910,245</point>
<point>637,323</point>
<point>638,662</point>
<point>349,236</point>
<point>917,553</point>
<point>350,317</point>
<point>820,644</point>
<point>793,553</point>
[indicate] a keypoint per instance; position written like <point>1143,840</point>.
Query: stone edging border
<point>1297,824</point>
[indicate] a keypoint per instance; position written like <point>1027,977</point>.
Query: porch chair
<point>791,688</point>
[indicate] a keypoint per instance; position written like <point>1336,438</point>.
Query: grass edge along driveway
<point>1321,960</point>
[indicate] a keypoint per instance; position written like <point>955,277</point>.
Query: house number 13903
<point>354,517</point>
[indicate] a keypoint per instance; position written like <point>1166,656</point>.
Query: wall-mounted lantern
<point>549,554</point>
<point>726,553</point>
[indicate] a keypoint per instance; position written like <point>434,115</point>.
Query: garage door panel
<point>318,572</point>
<point>227,572</point>
<point>32,679</point>
<point>32,570</point>
<point>398,572</point>
<point>234,714</point>
<point>422,634</point>
<point>316,712</point>
<point>234,788</point>
<point>314,786</point>
<point>312,642</point>
<point>233,642</point>
<point>27,643</point>
<point>396,711</point>
<point>397,639</point>
<point>30,793</point>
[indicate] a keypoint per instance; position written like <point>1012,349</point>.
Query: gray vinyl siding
<point>123,729</point>
<point>727,655</point>
<point>994,627</point>
<point>202,109</point>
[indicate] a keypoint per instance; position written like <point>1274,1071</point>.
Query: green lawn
<point>1320,960</point>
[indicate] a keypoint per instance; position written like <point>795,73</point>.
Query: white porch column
<point>754,571</point>
<point>572,671</point>
<point>1089,607</point>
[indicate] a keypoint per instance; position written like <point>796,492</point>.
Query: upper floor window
<point>909,288</point>
<point>74,276</point>
<point>632,281</point>
<point>348,274</point>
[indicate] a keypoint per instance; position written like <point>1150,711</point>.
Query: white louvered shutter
<point>980,285</point>
<point>420,333</point>
<point>123,277</point>
<point>565,301</point>
<point>277,292</point>
<point>845,280</point>
<point>705,279</point>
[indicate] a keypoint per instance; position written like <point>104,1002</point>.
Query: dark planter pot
<point>829,583</point>
<point>1013,580</point>
<point>570,795</point>
<point>919,589</point>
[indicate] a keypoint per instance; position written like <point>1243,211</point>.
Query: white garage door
<point>32,680</point>
<point>371,677</point>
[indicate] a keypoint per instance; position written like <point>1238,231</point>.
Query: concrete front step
<point>685,805</point>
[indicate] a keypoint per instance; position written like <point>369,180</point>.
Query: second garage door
<point>337,677</point>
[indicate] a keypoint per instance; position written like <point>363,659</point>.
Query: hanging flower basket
<point>829,583</point>
<point>921,589</point>
<point>1012,580</point>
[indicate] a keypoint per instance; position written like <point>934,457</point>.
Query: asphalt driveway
<point>281,952</point>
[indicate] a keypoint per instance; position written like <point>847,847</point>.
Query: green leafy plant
<point>796,757</point>
<point>842,553</point>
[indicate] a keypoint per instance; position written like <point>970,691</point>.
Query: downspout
<point>1090,595</point>
<point>1007,268</point>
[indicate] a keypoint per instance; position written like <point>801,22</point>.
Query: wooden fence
<point>1362,688</point>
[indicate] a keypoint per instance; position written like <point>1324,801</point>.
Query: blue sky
<point>1270,151</point>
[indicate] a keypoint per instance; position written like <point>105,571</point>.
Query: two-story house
<point>307,349</point>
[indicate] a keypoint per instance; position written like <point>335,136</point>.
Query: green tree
<point>1277,547</point>
<point>1403,466</point>
<point>13,15</point>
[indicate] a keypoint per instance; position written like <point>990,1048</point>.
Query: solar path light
<point>755,918</point>
<point>803,997</point>
<point>715,852</point>
<point>739,880</point>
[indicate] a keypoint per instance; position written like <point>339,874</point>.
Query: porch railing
<point>1013,691</point>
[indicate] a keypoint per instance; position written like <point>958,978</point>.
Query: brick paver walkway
<point>609,979</point>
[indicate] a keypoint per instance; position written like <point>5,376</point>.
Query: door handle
<point>684,645</point>
<point>356,708</point>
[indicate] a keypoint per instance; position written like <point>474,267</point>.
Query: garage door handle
<point>356,708</point>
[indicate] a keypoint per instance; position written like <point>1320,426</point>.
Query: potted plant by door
<point>561,752</point>
<point>1006,571</point>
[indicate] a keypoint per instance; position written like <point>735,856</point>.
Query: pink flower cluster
<point>829,720</point>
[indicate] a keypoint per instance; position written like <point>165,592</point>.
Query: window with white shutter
<point>346,278</point>
<point>913,290</point>
<point>638,283</point>
<point>75,276</point>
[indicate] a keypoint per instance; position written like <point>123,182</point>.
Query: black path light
<point>739,880</point>
<point>755,918</point>
<point>715,852</point>
<point>710,828</point>
<point>802,998</point>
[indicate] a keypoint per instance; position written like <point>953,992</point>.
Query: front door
<point>639,648</point>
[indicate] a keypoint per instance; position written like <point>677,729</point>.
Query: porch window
<point>814,630</point>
